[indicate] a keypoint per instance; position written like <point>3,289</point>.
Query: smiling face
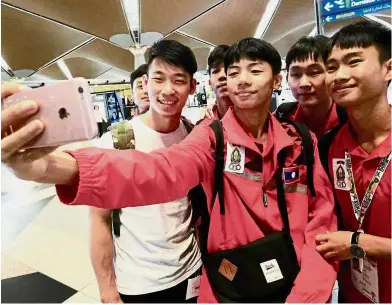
<point>307,82</point>
<point>250,83</point>
<point>168,87</point>
<point>356,76</point>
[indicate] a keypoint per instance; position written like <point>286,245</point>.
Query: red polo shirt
<point>317,127</point>
<point>377,219</point>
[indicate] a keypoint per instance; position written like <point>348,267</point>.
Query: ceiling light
<point>267,17</point>
<point>313,32</point>
<point>132,14</point>
<point>4,64</point>
<point>63,67</point>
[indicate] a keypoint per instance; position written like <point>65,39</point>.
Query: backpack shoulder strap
<point>123,138</point>
<point>342,114</point>
<point>324,143</point>
<point>285,109</point>
<point>308,151</point>
<point>216,126</point>
<point>187,124</point>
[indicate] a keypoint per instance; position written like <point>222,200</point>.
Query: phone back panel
<point>66,109</point>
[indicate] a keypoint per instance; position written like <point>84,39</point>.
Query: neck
<point>255,120</point>
<point>371,121</point>
<point>223,105</point>
<point>319,112</point>
<point>160,123</point>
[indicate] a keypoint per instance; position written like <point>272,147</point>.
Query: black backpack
<point>284,110</point>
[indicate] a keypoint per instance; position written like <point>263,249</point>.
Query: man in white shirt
<point>156,257</point>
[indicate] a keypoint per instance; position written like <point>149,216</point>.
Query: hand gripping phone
<point>66,109</point>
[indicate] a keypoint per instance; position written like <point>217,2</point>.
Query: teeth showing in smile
<point>168,102</point>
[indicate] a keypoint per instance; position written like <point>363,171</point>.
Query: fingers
<point>16,114</point>
<point>329,255</point>
<point>11,88</point>
<point>322,238</point>
<point>324,248</point>
<point>16,141</point>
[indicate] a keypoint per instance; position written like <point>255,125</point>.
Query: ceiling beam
<point>196,38</point>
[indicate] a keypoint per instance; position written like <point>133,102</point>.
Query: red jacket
<point>114,179</point>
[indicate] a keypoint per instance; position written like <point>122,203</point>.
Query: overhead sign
<point>335,10</point>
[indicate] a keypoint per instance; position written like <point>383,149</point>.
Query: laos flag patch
<point>291,174</point>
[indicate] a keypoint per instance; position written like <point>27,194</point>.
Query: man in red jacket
<point>358,62</point>
<point>306,74</point>
<point>253,140</point>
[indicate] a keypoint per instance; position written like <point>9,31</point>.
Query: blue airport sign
<point>331,7</point>
<point>357,12</point>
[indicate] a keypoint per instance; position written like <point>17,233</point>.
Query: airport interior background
<point>44,244</point>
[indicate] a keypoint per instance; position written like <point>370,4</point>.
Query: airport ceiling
<point>92,37</point>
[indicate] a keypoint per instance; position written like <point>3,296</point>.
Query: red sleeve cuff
<point>81,192</point>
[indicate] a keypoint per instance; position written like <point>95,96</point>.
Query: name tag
<point>193,289</point>
<point>366,282</point>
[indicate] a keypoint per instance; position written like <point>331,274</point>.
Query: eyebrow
<point>249,66</point>
<point>183,75</point>
<point>346,56</point>
<point>315,65</point>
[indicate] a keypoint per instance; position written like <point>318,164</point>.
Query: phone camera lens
<point>80,90</point>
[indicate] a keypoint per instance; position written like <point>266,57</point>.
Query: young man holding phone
<point>358,62</point>
<point>156,254</point>
<point>264,176</point>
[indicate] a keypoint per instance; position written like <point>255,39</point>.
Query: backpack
<point>284,110</point>
<point>124,138</point>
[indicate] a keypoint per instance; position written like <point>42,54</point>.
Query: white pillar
<point>138,52</point>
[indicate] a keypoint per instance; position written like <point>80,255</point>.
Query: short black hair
<point>253,49</point>
<point>139,72</point>
<point>217,56</point>
<point>362,34</point>
<point>307,48</point>
<point>174,53</point>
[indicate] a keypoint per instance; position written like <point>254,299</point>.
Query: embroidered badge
<point>291,174</point>
<point>340,174</point>
<point>235,160</point>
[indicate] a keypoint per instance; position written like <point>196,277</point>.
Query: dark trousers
<point>175,294</point>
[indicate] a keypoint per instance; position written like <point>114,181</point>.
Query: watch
<point>355,249</point>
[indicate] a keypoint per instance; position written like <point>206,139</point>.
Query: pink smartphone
<point>66,108</point>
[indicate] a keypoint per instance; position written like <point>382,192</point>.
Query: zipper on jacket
<point>265,200</point>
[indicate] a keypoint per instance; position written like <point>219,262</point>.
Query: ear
<point>277,81</point>
<point>388,66</point>
<point>144,82</point>
<point>209,82</point>
<point>193,86</point>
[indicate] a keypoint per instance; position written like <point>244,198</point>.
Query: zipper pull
<point>265,200</point>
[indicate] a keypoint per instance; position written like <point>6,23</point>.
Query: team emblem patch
<point>340,174</point>
<point>291,174</point>
<point>235,160</point>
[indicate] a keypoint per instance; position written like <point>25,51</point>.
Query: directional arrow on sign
<point>328,6</point>
<point>329,18</point>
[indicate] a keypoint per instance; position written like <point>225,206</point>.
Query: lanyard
<point>360,209</point>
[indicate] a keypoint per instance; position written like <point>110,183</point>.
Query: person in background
<point>218,83</point>
<point>306,75</point>
<point>358,63</point>
<point>156,254</point>
<point>140,94</point>
<point>253,139</point>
